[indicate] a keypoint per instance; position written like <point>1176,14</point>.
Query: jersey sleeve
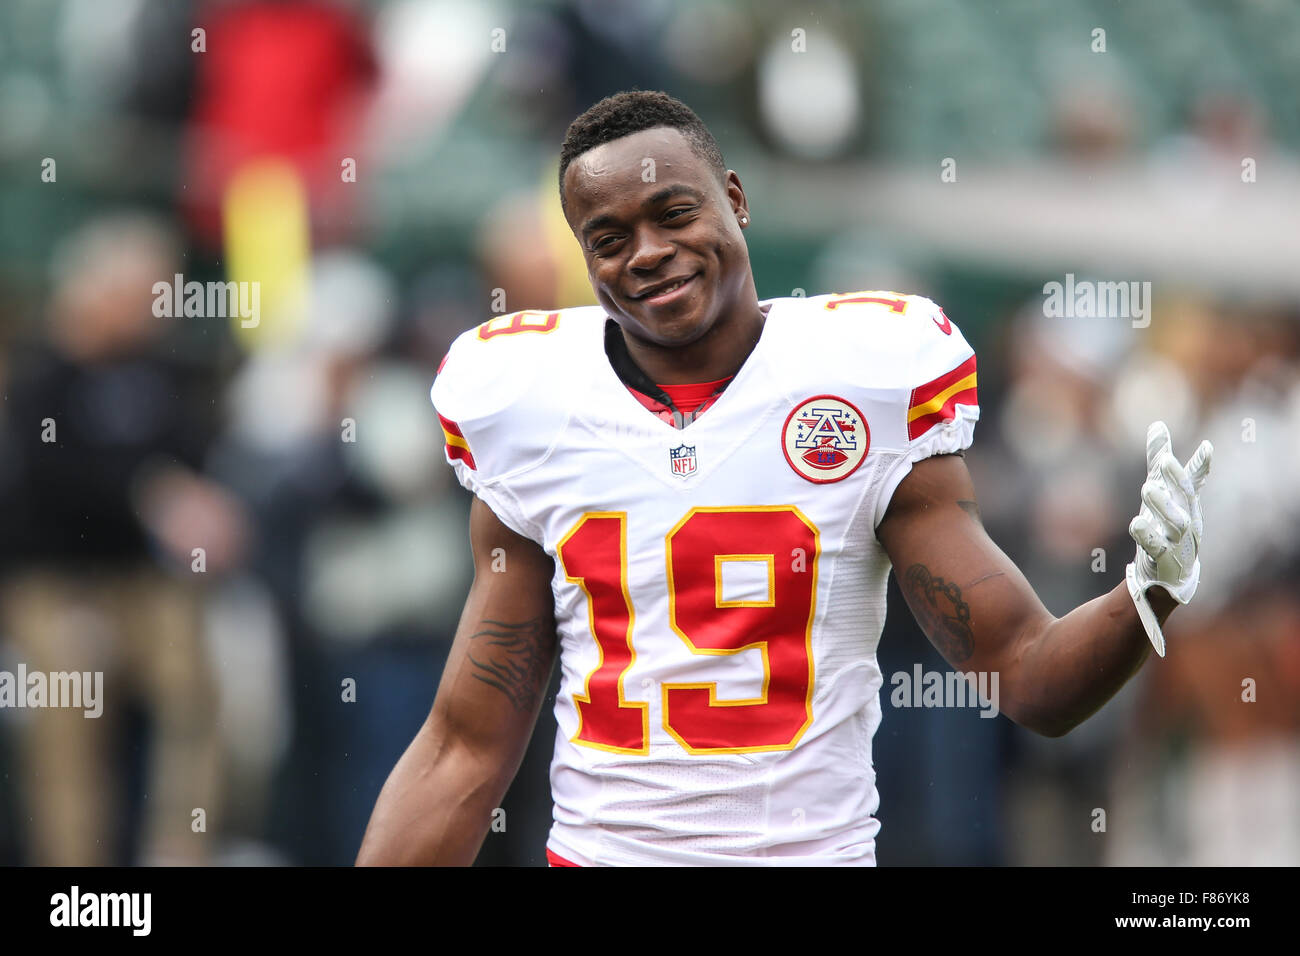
<point>474,402</point>
<point>941,407</point>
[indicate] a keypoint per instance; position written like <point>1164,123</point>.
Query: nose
<point>651,249</point>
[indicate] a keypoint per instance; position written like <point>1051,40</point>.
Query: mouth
<point>666,292</point>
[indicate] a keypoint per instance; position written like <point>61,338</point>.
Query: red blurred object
<point>279,78</point>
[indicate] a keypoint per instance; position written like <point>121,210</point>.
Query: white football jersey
<point>719,589</point>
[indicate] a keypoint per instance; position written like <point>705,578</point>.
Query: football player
<point>693,498</point>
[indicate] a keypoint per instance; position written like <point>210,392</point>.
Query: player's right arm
<point>436,807</point>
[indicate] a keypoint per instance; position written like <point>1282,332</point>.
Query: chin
<point>675,328</point>
<point>675,332</point>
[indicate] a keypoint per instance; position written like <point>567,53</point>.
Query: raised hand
<point>1167,528</point>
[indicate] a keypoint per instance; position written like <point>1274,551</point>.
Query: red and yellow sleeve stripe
<point>457,446</point>
<point>937,401</point>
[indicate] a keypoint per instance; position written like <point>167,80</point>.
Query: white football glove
<point>1168,528</point>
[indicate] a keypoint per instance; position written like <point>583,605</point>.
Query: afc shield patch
<point>682,461</point>
<point>825,439</point>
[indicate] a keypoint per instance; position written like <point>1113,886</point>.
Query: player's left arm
<point>980,612</point>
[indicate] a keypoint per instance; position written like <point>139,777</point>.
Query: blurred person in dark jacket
<point>111,532</point>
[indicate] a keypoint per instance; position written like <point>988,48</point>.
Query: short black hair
<point>631,112</point>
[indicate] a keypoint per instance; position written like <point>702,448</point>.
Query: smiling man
<point>694,498</point>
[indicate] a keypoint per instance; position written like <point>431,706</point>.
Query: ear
<point>736,195</point>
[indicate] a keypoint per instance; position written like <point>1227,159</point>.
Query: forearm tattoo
<point>514,658</point>
<point>941,612</point>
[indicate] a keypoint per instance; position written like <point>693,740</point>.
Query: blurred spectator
<point>107,509</point>
<point>1091,121</point>
<point>332,445</point>
<point>253,101</point>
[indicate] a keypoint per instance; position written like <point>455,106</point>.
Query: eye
<point>677,211</point>
<point>604,242</point>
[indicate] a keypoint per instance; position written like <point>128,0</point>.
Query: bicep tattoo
<point>941,612</point>
<point>516,659</point>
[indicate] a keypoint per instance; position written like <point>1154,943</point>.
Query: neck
<point>719,353</point>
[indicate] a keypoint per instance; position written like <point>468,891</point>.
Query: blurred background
<point>386,172</point>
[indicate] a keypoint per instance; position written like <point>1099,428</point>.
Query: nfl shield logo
<point>682,459</point>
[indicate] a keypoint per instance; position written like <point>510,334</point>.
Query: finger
<point>1157,497</point>
<point>1175,477</point>
<point>1158,441</point>
<point>1198,466</point>
<point>1149,539</point>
